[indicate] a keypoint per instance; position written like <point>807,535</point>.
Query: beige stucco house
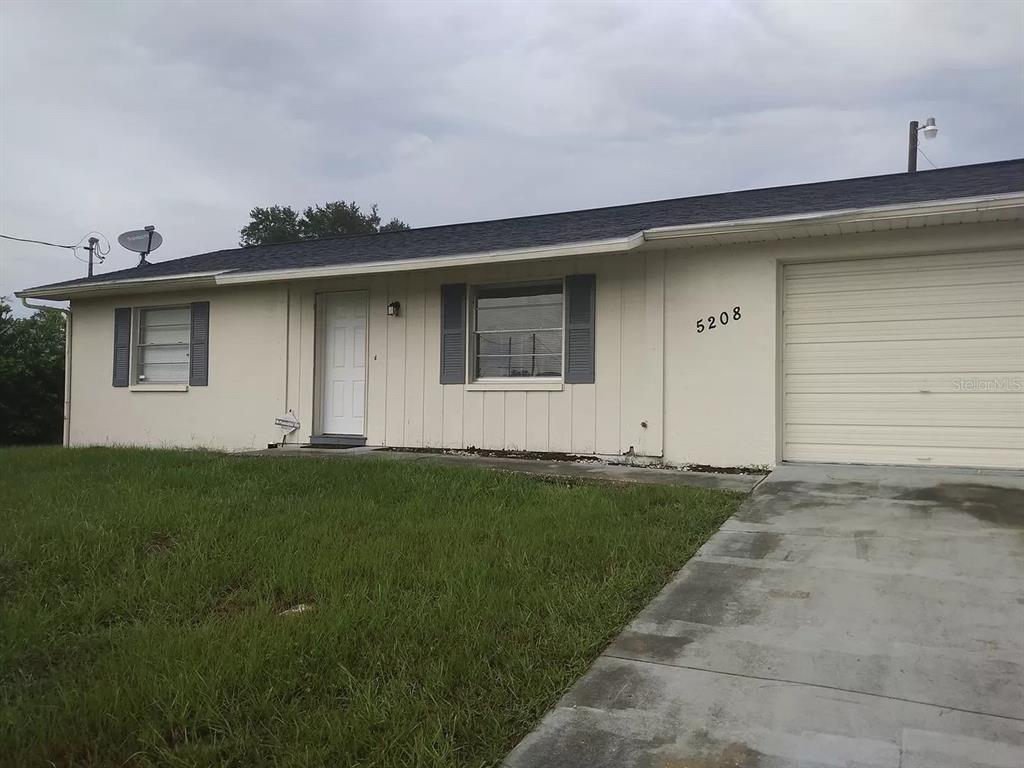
<point>876,320</point>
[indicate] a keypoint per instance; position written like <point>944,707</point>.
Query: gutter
<point>851,216</point>
<point>632,242</point>
<point>845,216</point>
<point>611,245</point>
<point>68,326</point>
<point>118,285</point>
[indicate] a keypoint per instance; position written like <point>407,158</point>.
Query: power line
<point>61,245</point>
<point>933,165</point>
<point>99,253</point>
<point>40,242</point>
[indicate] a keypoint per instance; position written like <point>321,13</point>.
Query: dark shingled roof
<point>597,223</point>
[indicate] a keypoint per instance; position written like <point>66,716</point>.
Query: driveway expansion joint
<point>944,707</point>
<point>889,587</point>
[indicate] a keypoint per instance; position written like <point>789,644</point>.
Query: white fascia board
<point>621,245</point>
<point>613,245</point>
<point>846,216</point>
<point>126,285</point>
<point>616,245</point>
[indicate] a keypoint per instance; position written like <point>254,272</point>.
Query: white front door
<point>343,367</point>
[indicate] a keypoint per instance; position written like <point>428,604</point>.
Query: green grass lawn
<point>141,596</point>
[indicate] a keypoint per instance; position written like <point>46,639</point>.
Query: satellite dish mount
<point>142,241</point>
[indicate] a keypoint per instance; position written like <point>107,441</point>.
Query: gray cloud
<point>185,115</point>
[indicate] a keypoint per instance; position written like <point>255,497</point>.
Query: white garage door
<point>911,360</point>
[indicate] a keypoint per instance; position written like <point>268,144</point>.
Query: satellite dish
<point>142,241</point>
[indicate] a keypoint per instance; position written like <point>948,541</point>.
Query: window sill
<point>158,388</point>
<point>515,385</point>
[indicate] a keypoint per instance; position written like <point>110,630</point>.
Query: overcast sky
<point>116,115</point>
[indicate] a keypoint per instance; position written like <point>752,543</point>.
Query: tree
<point>271,225</point>
<point>280,224</point>
<point>395,225</point>
<point>31,377</point>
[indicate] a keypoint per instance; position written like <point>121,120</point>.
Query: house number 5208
<point>713,321</point>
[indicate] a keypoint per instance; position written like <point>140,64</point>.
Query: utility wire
<point>39,242</point>
<point>99,253</point>
<point>933,165</point>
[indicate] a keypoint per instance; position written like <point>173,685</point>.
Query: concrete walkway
<point>573,470</point>
<point>846,616</point>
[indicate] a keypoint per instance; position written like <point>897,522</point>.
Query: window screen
<point>162,344</point>
<point>517,331</point>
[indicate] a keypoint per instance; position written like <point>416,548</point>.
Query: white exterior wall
<point>722,401</point>
<point>407,406</point>
<point>720,384</point>
<point>236,411</point>
<point>709,398</point>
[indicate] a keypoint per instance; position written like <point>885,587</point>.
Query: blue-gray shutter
<point>199,345</point>
<point>453,333</point>
<point>580,302</point>
<point>122,346</point>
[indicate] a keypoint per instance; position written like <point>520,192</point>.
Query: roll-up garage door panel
<point>905,278</point>
<point>954,356</point>
<point>908,300</point>
<point>952,309</point>
<point>883,358</point>
<point>898,264</point>
<point>884,383</point>
<point>907,409</point>
<point>872,453</point>
<point>950,437</point>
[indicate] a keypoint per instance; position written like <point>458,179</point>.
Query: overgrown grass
<point>141,596</point>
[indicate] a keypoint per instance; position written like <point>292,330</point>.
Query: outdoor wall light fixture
<point>394,309</point>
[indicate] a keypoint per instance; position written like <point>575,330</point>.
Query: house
<point>875,320</point>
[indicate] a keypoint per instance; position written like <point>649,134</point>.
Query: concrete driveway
<point>846,616</point>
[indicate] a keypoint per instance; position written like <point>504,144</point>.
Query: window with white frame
<point>162,345</point>
<point>517,331</point>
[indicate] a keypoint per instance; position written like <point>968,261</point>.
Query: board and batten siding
<point>407,406</point>
<point>713,398</point>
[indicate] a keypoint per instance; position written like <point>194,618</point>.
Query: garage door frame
<point>783,267</point>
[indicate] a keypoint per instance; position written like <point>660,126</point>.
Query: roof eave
<point>690,235</point>
<point>613,245</point>
<point>699,234</point>
<point>129,285</point>
<point>877,214</point>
